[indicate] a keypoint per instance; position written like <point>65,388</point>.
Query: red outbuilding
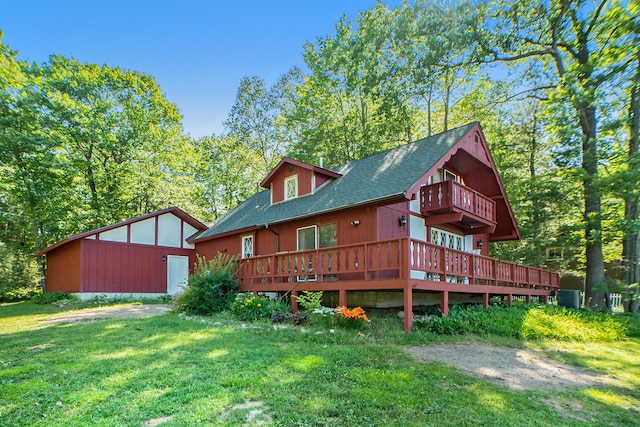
<point>145,256</point>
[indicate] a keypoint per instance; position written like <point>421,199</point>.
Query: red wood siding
<point>265,240</point>
<point>126,268</point>
<point>63,268</point>
<point>321,179</point>
<point>389,221</point>
<point>231,245</point>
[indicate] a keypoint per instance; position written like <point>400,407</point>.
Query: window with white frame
<point>449,176</point>
<point>247,246</point>
<point>291,187</point>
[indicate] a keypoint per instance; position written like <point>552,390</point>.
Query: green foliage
<point>532,322</point>
<point>51,297</point>
<point>82,146</point>
<point>18,275</point>
<point>211,286</point>
<point>248,306</point>
<point>309,300</point>
<point>225,173</point>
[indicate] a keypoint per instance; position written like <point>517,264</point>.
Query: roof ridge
<point>421,140</point>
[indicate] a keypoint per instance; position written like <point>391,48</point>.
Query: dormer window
<point>291,187</point>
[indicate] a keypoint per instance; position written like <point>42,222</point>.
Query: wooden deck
<point>401,264</point>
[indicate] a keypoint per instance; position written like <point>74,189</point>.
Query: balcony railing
<point>402,258</point>
<point>448,196</point>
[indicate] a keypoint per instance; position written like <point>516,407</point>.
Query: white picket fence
<point>616,301</point>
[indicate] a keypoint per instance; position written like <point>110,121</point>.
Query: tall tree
<point>35,189</point>
<point>631,242</point>
<point>253,121</point>
<point>118,131</point>
<point>225,173</point>
<point>560,44</point>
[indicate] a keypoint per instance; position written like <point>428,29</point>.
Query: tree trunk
<point>447,101</point>
<point>631,242</point>
<point>594,274</point>
<point>39,260</point>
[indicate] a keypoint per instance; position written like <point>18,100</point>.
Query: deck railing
<point>439,263</point>
<point>450,194</point>
<point>401,258</point>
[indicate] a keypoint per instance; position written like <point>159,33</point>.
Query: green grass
<point>534,321</point>
<point>216,371</point>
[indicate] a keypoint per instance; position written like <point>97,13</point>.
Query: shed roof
<point>174,210</point>
<point>382,176</point>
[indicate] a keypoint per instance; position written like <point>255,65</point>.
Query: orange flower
<point>355,313</point>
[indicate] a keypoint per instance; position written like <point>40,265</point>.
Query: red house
<point>144,256</point>
<point>404,227</point>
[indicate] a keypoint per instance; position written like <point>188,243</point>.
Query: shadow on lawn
<point>127,372</point>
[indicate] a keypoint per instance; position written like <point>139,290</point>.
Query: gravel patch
<point>116,312</point>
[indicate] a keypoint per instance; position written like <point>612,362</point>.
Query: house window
<point>247,246</point>
<point>291,187</point>
<point>327,236</point>
<point>307,240</point>
<point>554,254</point>
<point>450,176</point>
<point>444,238</point>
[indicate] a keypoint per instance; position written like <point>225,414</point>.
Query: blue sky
<point>197,50</point>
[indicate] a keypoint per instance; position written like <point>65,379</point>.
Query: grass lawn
<point>217,371</point>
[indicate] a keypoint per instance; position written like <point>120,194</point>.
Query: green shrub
<point>211,287</point>
<point>51,297</point>
<point>247,306</point>
<point>19,278</point>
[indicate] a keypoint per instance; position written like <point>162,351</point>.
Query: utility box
<point>569,298</point>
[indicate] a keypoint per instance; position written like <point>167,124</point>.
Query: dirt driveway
<point>516,368</point>
<point>115,312</point>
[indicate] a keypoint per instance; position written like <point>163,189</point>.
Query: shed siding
<point>127,268</point>
<point>63,268</point>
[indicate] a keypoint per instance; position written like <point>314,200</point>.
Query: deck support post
<point>408,308</point>
<point>485,300</point>
<point>294,301</point>
<point>545,299</point>
<point>528,299</point>
<point>342,297</point>
<point>444,303</point>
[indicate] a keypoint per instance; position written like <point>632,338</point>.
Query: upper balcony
<point>450,202</point>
